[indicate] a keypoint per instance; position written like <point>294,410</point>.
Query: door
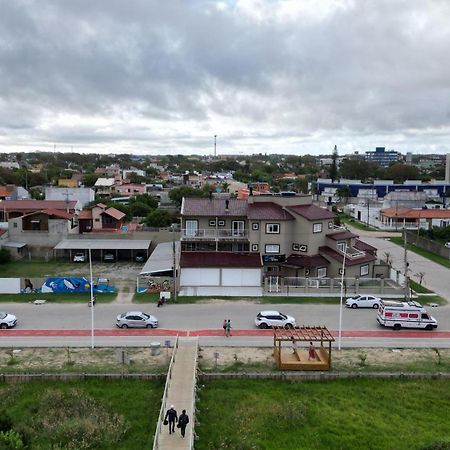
<point>191,228</point>
<point>237,228</point>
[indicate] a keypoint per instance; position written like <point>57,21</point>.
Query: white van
<point>404,315</point>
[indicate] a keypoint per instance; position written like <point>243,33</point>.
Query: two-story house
<point>100,218</point>
<point>292,236</point>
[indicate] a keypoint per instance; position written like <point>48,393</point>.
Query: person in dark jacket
<point>171,416</point>
<point>183,420</point>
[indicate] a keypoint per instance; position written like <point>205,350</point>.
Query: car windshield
<point>283,316</point>
<point>2,315</point>
<point>145,316</point>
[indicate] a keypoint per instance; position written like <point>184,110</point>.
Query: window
<point>330,224</point>
<point>255,226</point>
<point>272,228</point>
<point>364,270</point>
<point>237,228</point>
<point>212,223</point>
<point>341,247</point>
<point>15,225</point>
<point>321,272</point>
<point>272,248</point>
<point>221,223</point>
<point>255,248</point>
<point>317,228</point>
<point>295,247</point>
<point>303,247</point>
<point>191,227</point>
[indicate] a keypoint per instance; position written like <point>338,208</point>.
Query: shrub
<point>11,440</point>
<point>5,421</point>
<point>5,256</point>
<point>437,446</point>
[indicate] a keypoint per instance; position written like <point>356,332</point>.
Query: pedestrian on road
<point>312,352</point>
<point>228,328</point>
<point>224,326</point>
<point>171,416</point>
<point>183,420</point>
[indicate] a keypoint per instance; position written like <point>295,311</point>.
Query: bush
<point>5,421</point>
<point>11,440</point>
<point>5,256</point>
<point>437,446</point>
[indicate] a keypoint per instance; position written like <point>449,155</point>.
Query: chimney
<point>227,203</point>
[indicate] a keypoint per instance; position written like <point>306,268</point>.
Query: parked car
<point>7,320</point>
<point>363,301</point>
<point>447,244</point>
<point>267,319</point>
<point>107,257</point>
<point>136,319</point>
<point>140,257</point>
<point>79,257</point>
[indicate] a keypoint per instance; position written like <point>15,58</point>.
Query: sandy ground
<point>106,359</point>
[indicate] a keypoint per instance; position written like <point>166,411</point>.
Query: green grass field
<point>57,297</point>
<point>91,414</point>
<point>41,268</point>
<point>355,414</point>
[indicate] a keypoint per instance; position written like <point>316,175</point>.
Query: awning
<point>161,260</point>
<point>103,244</point>
<point>12,244</point>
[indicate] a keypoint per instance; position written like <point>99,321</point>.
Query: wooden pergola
<point>295,358</point>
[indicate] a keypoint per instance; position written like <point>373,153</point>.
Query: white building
<point>83,195</point>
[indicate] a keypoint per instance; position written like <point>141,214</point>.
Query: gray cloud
<point>163,75</point>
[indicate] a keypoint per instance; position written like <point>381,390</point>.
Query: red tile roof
<point>267,211</point>
<point>6,191</point>
<point>37,205</point>
<point>52,212</point>
<point>341,235</point>
<point>409,213</point>
<point>2,232</point>
<point>307,261</point>
<point>213,207</point>
<point>85,214</point>
<point>220,259</point>
<point>311,212</point>
<point>115,213</point>
<point>337,256</point>
<point>364,246</point>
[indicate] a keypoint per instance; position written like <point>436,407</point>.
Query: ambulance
<point>399,315</point>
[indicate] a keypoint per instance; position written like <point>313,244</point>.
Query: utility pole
<point>368,205</point>
<point>174,265</point>
<point>215,145</point>
<point>406,265</point>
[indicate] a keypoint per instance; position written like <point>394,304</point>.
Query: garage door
<point>200,277</point>
<point>241,277</point>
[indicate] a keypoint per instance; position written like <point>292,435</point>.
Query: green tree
<point>11,440</point>
<point>89,179</point>
<point>158,218</point>
<point>343,193</point>
<point>5,256</point>
<point>400,172</point>
<point>333,174</point>
<point>139,209</point>
<point>177,194</point>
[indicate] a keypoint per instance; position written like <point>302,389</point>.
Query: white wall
<point>9,285</point>
<point>241,277</point>
<point>200,277</point>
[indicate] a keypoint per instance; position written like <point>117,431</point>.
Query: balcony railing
<point>213,234</point>
<point>353,253</point>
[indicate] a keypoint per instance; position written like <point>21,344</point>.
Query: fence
<point>164,398</point>
<point>194,398</point>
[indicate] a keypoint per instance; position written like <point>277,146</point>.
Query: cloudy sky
<point>270,76</point>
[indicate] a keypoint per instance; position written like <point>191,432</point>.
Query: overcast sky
<point>269,76</point>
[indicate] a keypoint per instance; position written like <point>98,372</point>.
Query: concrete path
<point>181,392</point>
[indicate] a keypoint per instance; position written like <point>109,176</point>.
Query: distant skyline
<point>265,76</point>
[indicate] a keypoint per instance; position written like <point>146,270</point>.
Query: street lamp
<point>342,295</point>
<point>92,299</point>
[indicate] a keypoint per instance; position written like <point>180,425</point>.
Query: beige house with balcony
<point>292,236</point>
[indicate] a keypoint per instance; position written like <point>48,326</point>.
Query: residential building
<point>11,165</point>
<point>413,218</point>
<point>382,157</point>
<point>13,192</point>
<point>127,172</point>
<point>105,186</point>
<point>67,182</point>
<point>10,209</point>
<point>82,195</point>
<point>129,189</point>
<point>293,237</point>
<point>100,218</point>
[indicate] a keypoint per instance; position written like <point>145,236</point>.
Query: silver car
<point>136,319</point>
<point>7,320</point>
<point>267,319</point>
<point>363,301</point>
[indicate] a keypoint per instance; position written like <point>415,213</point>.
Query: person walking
<point>183,420</point>
<point>228,328</point>
<point>312,352</point>
<point>224,326</point>
<point>171,416</point>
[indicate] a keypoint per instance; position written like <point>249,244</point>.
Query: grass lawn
<point>419,288</point>
<point>57,297</point>
<point>345,218</point>
<point>342,414</point>
<point>425,299</point>
<point>91,414</point>
<point>40,268</point>
<point>425,253</point>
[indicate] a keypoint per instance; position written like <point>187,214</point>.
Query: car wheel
<point>263,325</point>
<point>429,327</point>
<point>354,306</point>
<point>124,325</point>
<point>376,306</point>
<point>289,325</point>
<point>397,326</point>
<point>149,325</point>
<point>3,326</point>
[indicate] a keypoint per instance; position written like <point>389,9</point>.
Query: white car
<point>79,257</point>
<point>267,319</point>
<point>363,301</point>
<point>447,244</point>
<point>136,319</point>
<point>7,320</point>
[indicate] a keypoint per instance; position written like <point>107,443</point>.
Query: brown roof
<point>307,261</point>
<point>337,256</point>
<point>85,214</point>
<point>6,191</point>
<point>311,212</point>
<point>37,205</point>
<point>267,211</point>
<point>409,213</point>
<point>101,205</point>
<point>341,235</point>
<point>52,212</point>
<point>115,213</point>
<point>220,259</point>
<point>364,246</point>
<point>213,207</point>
